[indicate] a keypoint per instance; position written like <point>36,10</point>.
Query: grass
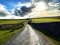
<point>5,35</point>
<point>51,41</point>
<point>45,20</point>
<point>10,21</point>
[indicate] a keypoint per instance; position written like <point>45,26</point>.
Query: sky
<point>8,6</point>
<point>11,3</point>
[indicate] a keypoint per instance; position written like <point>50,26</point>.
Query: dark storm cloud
<point>24,11</point>
<point>17,12</point>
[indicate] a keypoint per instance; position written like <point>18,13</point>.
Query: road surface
<point>29,37</point>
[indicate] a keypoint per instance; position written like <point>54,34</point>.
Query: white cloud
<point>12,11</point>
<point>19,5</point>
<point>40,9</point>
<point>4,10</point>
<point>23,4</point>
<point>2,7</point>
<point>53,6</point>
<point>13,17</point>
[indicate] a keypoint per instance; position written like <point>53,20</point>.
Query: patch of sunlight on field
<point>44,20</point>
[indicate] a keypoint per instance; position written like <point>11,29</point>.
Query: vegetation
<point>5,35</point>
<point>45,20</point>
<point>10,21</point>
<point>45,30</point>
<point>52,41</point>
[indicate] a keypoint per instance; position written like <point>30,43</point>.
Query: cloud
<point>19,5</point>
<point>53,6</point>
<point>43,10</point>
<point>51,13</point>
<point>24,11</point>
<point>35,0</point>
<point>57,1</point>
<point>39,6</point>
<point>3,10</point>
<point>14,17</point>
<point>48,8</point>
<point>2,7</point>
<point>28,4</point>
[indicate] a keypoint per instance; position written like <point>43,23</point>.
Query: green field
<point>11,21</point>
<point>5,35</point>
<point>45,20</point>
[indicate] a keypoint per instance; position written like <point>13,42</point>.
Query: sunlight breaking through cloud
<point>39,8</point>
<point>43,10</point>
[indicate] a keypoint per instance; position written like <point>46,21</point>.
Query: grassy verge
<point>51,41</point>
<point>45,20</point>
<point>5,35</point>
